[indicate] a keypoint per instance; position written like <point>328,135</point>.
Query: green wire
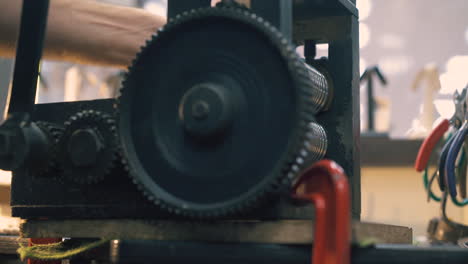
<point>426,185</point>
<point>426,179</point>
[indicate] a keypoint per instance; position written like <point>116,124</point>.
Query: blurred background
<point>420,47</point>
<point>405,37</point>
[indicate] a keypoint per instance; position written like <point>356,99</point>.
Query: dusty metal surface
<point>277,232</point>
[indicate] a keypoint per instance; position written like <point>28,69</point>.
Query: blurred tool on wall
<point>422,126</point>
<point>375,103</point>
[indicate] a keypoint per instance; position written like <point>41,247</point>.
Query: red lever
<point>42,241</point>
<point>326,186</point>
<point>429,144</point>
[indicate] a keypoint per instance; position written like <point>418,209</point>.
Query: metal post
<point>370,105</point>
<point>28,55</point>
<point>310,51</point>
<point>342,120</point>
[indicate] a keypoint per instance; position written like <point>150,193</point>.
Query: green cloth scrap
<point>367,242</point>
<point>57,251</point>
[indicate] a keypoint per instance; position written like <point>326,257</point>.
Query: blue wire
<point>427,186</point>
<point>454,151</point>
<point>443,161</point>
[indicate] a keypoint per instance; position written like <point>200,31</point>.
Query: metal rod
<point>28,55</point>
<point>310,51</point>
<point>370,105</point>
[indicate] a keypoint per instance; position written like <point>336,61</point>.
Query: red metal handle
<point>326,186</point>
<point>429,144</point>
<point>42,241</point>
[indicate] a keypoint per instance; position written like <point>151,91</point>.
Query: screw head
<point>200,110</point>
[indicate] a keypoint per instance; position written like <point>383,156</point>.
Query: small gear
<point>53,132</point>
<point>88,149</point>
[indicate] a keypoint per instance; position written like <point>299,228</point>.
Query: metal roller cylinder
<point>316,143</point>
<point>313,149</point>
<point>318,88</point>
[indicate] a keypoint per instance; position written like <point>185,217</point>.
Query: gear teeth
<point>306,149</point>
<point>53,132</point>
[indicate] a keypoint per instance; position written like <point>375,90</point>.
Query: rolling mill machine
<point>217,116</point>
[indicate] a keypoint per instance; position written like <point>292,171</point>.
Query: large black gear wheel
<point>88,148</point>
<point>217,114</point>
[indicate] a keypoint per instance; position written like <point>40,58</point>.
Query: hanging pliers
<point>437,134</point>
<point>457,122</point>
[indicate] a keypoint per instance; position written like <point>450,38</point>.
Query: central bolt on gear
<point>89,147</point>
<point>217,113</point>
